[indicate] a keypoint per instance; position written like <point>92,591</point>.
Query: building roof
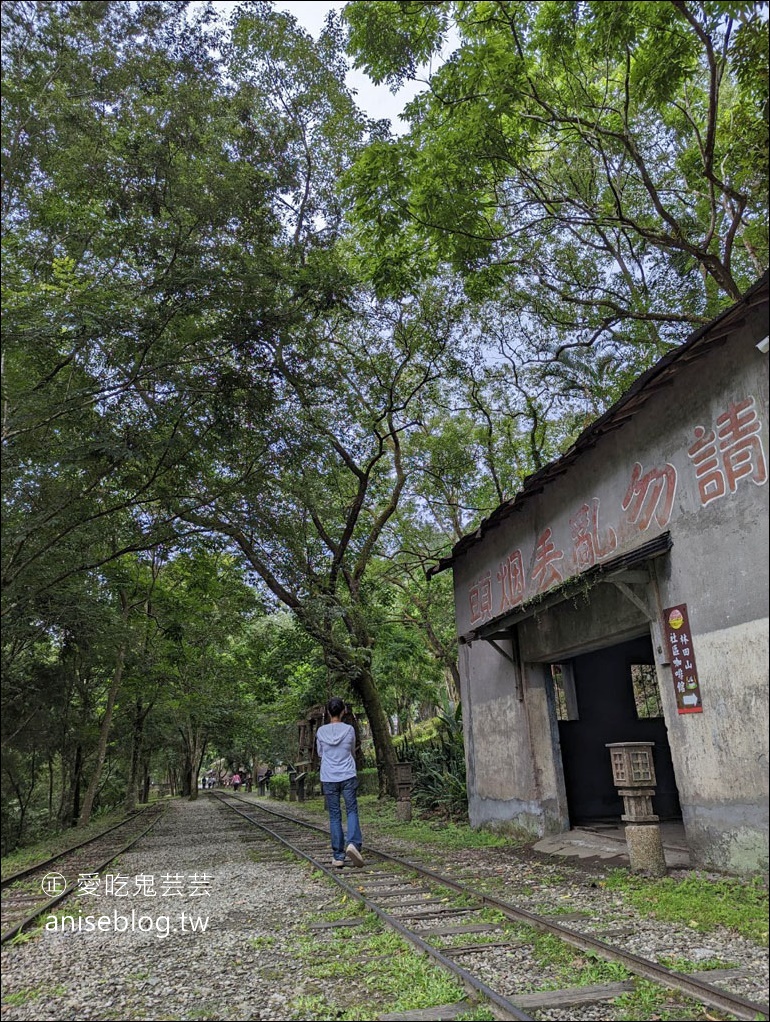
<point>702,341</point>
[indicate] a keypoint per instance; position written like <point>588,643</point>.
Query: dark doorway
<point>610,696</point>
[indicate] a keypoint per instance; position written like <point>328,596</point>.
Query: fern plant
<point>438,768</point>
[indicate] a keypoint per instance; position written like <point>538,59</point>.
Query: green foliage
<point>169,251</point>
<point>53,844</point>
<point>582,166</point>
<point>118,186</point>
<point>259,354</point>
<point>368,781</point>
<point>281,673</point>
<point>438,768</point>
<point>422,733</point>
<point>279,787</point>
<point>428,830</point>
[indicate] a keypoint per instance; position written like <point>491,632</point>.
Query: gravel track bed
<point>564,889</point>
<point>235,971</point>
<point>217,974</point>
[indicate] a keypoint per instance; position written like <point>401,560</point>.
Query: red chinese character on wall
<point>584,526</point>
<point>703,454</point>
<point>648,494</point>
<point>510,575</point>
<point>740,446</point>
<point>480,596</point>
<point>730,454</point>
<point>545,572</point>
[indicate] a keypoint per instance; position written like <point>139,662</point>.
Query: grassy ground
<point>700,901</point>
<point>378,816</point>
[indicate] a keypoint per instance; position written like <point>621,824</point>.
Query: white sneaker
<point>354,855</point>
<point>339,863</point>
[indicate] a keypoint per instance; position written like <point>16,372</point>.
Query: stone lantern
<point>633,773</point>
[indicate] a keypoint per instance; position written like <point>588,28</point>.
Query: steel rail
<point>33,916</point>
<point>28,870</point>
<point>507,1008</point>
<point>700,990</point>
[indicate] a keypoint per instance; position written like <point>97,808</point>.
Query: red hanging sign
<point>676,628</point>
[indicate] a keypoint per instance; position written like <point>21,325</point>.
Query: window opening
<point>644,678</point>
<point>565,697</point>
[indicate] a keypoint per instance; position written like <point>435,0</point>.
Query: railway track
<point>31,892</point>
<point>457,925</point>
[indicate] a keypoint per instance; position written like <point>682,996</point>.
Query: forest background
<point>265,360</point>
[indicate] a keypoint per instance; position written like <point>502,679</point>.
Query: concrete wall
<point>513,777</point>
<point>636,482</point>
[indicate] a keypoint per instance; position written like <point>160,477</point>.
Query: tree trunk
<point>135,769</point>
<point>452,678</point>
<point>50,790</point>
<point>145,782</point>
<point>200,752</point>
<point>195,749</point>
<point>104,734</point>
<point>378,722</point>
<point>71,810</point>
<point>23,801</point>
<point>187,786</point>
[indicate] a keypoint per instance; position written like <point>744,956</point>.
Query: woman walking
<point>336,744</point>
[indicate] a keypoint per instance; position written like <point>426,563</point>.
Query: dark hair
<point>335,707</point>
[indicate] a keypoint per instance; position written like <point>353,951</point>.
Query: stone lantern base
<point>404,810</point>
<point>645,848</point>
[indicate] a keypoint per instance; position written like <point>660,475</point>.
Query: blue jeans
<point>334,791</point>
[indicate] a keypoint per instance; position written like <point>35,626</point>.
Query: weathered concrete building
<point>622,596</point>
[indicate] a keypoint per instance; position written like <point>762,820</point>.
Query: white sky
<point>375,100</point>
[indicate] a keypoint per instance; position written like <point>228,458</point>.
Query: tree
<point>598,170</point>
<point>154,303</point>
<point>193,364</point>
<point>313,519</point>
<point>203,604</point>
<point>282,675</point>
<point>138,226</point>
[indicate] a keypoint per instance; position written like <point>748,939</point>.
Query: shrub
<point>312,784</point>
<point>438,767</point>
<point>279,786</point>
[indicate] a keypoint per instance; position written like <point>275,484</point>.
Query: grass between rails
<point>363,971</point>
<point>360,972</point>
<point>698,900</point>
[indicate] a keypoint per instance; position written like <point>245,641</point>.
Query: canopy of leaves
<point>597,169</point>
